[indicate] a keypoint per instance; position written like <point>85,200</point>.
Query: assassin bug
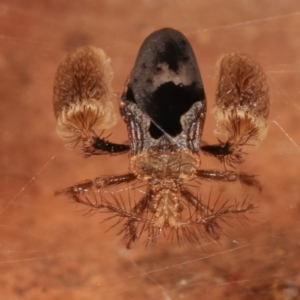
<point>164,108</point>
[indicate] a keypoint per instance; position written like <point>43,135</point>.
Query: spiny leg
<point>229,176</point>
<point>117,208</point>
<point>98,183</point>
<point>130,227</point>
<point>208,216</point>
<point>210,222</point>
<point>84,194</point>
<point>101,182</point>
<point>205,211</point>
<point>192,199</point>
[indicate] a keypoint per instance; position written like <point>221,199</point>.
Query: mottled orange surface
<point>49,248</point>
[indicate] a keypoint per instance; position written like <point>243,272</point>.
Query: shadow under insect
<point>164,108</point>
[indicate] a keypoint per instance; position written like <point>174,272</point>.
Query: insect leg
<point>204,210</point>
<point>96,145</point>
<point>229,176</point>
<point>208,217</point>
<point>242,107</point>
<point>98,183</point>
<point>225,152</point>
<point>131,227</point>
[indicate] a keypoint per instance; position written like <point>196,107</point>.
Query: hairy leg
<point>229,176</point>
<point>209,216</point>
<point>98,183</point>
<point>131,227</point>
<point>96,145</point>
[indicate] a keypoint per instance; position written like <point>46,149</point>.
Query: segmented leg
<point>229,176</point>
<point>96,145</point>
<point>227,153</point>
<point>131,227</point>
<point>98,183</point>
<point>209,217</point>
<point>135,223</point>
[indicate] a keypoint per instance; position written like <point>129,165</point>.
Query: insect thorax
<point>164,167</point>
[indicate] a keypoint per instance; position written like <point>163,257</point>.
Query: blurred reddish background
<point>49,248</point>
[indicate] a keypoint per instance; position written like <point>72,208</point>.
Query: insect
<point>164,108</point>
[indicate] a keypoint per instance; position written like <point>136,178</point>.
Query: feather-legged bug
<point>164,108</point>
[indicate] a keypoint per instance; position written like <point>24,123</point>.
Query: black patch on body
<point>169,102</point>
<point>165,81</point>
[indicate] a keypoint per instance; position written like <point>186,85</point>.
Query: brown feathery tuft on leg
<point>242,100</point>
<point>82,95</point>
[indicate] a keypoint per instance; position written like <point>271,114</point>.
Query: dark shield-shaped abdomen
<point>165,81</point>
